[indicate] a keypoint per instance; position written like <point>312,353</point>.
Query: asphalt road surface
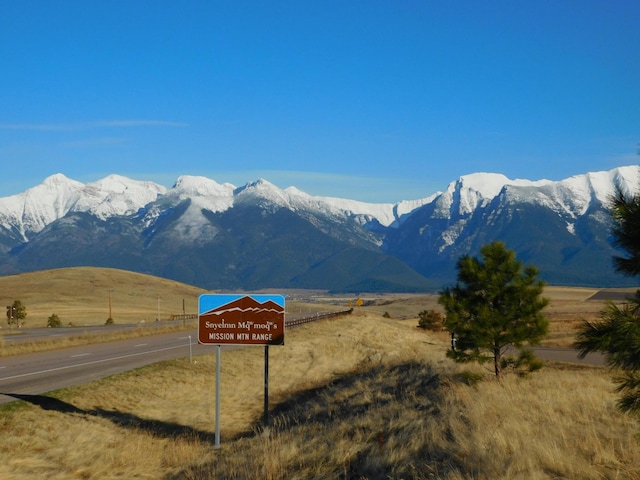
<point>20,335</point>
<point>37,373</point>
<point>42,372</point>
<point>567,355</point>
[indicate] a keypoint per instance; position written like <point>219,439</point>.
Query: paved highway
<point>42,372</point>
<point>567,355</point>
<point>22,335</point>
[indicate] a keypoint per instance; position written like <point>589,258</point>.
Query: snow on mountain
<point>291,197</point>
<point>560,226</point>
<point>599,185</point>
<point>360,211</point>
<point>36,207</point>
<point>482,185</point>
<point>465,195</point>
<point>572,197</point>
<point>387,214</point>
<point>262,190</point>
<point>30,211</point>
<point>196,186</point>
<point>203,194</point>
<point>627,177</point>
<point>116,195</point>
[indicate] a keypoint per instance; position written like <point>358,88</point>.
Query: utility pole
<point>110,316</point>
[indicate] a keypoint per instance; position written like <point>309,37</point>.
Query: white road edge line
<point>90,363</point>
<point>80,355</point>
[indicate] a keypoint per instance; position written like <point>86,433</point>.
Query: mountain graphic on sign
<point>247,309</point>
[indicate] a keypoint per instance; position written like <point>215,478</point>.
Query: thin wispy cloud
<point>138,123</point>
<point>62,127</point>
<point>95,142</point>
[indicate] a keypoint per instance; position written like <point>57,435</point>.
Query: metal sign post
<point>266,388</point>
<point>217,444</point>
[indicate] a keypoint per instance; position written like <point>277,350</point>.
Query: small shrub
<point>54,321</point>
<point>431,320</point>
<point>109,321</point>
<point>386,315</point>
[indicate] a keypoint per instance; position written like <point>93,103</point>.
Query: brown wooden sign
<point>228,319</point>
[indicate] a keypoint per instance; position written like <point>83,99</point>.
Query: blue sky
<point>378,101</point>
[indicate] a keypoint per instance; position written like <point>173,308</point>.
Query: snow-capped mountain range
<point>258,235</point>
<point>116,195</point>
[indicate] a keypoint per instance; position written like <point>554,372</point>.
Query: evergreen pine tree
<point>495,307</point>
<point>617,333</point>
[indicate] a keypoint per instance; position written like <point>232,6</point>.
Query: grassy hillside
<point>357,397</point>
<point>80,295</point>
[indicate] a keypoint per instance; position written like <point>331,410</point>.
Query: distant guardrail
<point>186,316</point>
<point>315,317</point>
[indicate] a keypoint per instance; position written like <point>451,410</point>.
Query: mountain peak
<point>260,184</point>
<point>36,207</point>
<point>489,185</point>
<point>202,186</point>
<point>116,195</point>
<point>263,189</point>
<point>56,180</point>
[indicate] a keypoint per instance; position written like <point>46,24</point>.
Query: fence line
<point>291,323</point>
<point>316,316</point>
<point>187,316</point>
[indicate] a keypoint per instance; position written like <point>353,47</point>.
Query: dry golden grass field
<point>82,295</point>
<point>568,307</point>
<point>357,397</point>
